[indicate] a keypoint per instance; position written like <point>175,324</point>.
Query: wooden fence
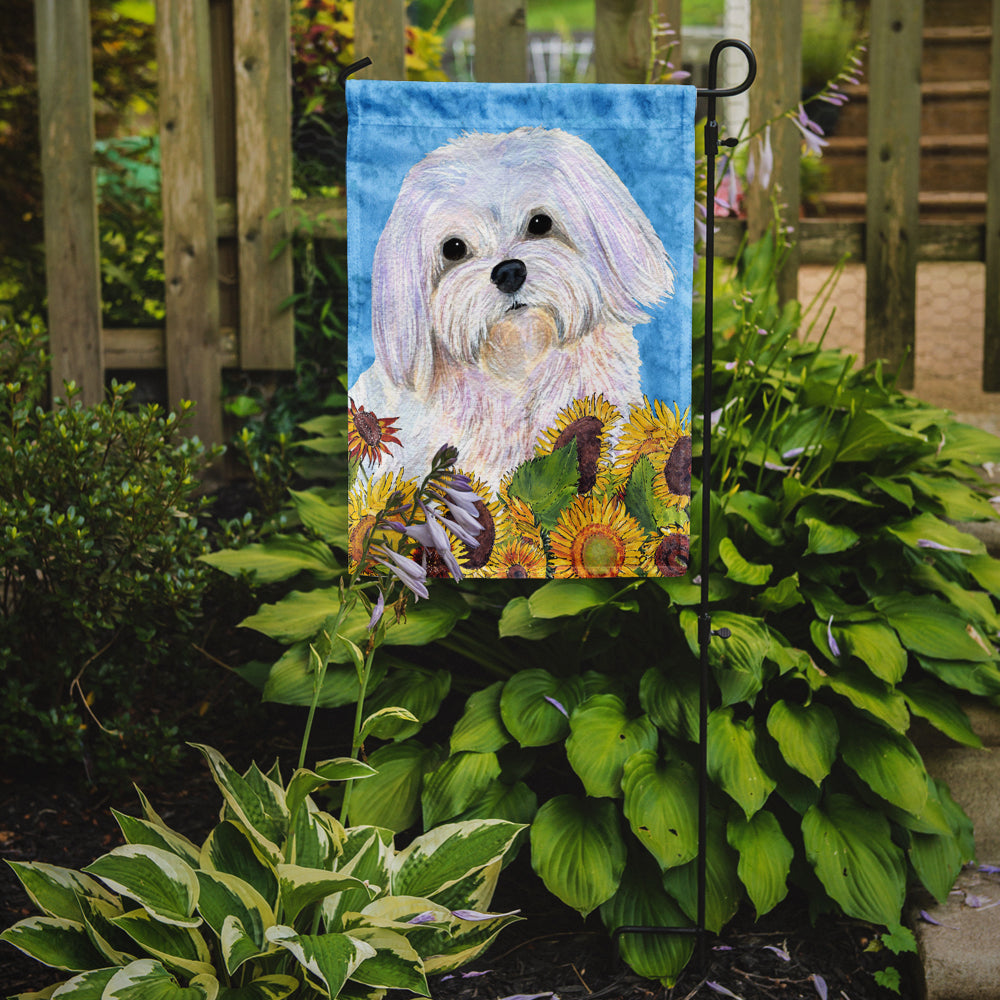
<point>226,160</point>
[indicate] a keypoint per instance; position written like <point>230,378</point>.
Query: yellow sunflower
<point>668,554</point>
<point>366,501</point>
<point>519,559</point>
<point>591,422</point>
<point>517,519</point>
<point>369,436</point>
<point>595,538</point>
<point>664,437</point>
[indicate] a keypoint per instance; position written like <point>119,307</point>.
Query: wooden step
<point>940,13</point>
<point>958,206</point>
<point>956,53</point>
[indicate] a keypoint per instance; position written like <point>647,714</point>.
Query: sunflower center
<point>587,432</point>
<point>368,427</point>
<point>597,551</point>
<point>677,469</point>
<point>517,572</point>
<point>478,555</point>
<point>671,555</point>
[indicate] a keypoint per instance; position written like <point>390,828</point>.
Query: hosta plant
<point>279,900</point>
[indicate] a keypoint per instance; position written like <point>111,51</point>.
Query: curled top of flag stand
<point>712,91</point>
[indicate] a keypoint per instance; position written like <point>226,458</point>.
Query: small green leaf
<point>327,520</point>
<point>738,569</point>
<point>827,539</point>
<point>418,690</point>
<point>641,500</point>
<point>517,621</point>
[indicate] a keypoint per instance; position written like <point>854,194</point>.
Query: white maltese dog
<point>505,285</point>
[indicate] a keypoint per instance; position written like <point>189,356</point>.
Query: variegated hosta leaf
<point>116,946</point>
<point>456,784</point>
<point>300,887</point>
<point>850,847</point>
<point>329,959</point>
<point>229,848</point>
<point>807,736</point>
<point>467,940</point>
<point>481,727</point>
<point>149,980</point>
<point>578,851</point>
<point>315,839</point>
<point>661,800</point>
<point>177,947</point>
<point>54,941</point>
<point>87,986</point>
<point>395,964</point>
<point>141,831</point>
<point>441,857</point>
<point>275,987</point>
<point>225,897</point>
<point>732,760</point>
<point>475,891</point>
<point>56,891</point>
<point>642,902</point>
<point>602,737</point>
<point>367,853</point>
<point>304,782</point>
<point>158,880</point>
<point>765,858</point>
<point>256,801</point>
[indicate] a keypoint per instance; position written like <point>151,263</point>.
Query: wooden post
<point>623,37</point>
<point>776,35</point>
<point>893,183</point>
<point>72,256</point>
<point>380,34</point>
<point>991,333</point>
<point>261,41</point>
<point>190,254</point>
<point>501,41</point>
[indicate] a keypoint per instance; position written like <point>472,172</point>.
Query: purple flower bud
<point>820,983</point>
<point>834,648</point>
<point>558,705</point>
<point>409,573</point>
<point>377,612</point>
<point>427,917</point>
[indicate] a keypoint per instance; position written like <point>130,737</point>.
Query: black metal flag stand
<point>705,631</point>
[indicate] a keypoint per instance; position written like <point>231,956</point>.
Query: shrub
<point>99,539</point>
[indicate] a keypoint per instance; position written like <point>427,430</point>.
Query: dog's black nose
<point>509,275</point>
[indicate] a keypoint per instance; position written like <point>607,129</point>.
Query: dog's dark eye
<point>539,225</point>
<point>453,249</point>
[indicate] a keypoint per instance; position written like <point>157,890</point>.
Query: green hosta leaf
<point>301,887</point>
<point>641,901</point>
<point>330,959</point>
<point>723,889</point>
<point>807,736</point>
<point>386,723</point>
<point>180,948</point>
<point>850,847</point>
<point>670,698</point>
<point>986,571</point>
<point>559,598</point>
<point>888,763</point>
<point>304,782</point>
<point>661,799</point>
<point>481,728</point>
<point>870,436</point>
<point>391,798</point>
<point>876,646</point>
<point>958,502</point>
<point>547,484</point>
<point>159,881</point>
<point>738,661</point>
<point>292,680</point>
<point>827,539</point>
<point>578,851</point>
<point>147,979</point>
<point>760,512</point>
<point>230,849</point>
<point>931,628</point>
<point>518,621</point>
<point>866,692</point>
<point>738,569</point>
<point>279,558</point>
<point>783,595</point>
<point>941,709</point>
<point>975,605</point>
<point>238,944</point>
<point>976,678</point>
<point>937,860</point>
<point>56,891</point>
<point>98,916</point>
<point>275,987</point>
<point>965,443</point>
<point>418,690</point>
<point>456,784</point>
<point>395,964</point>
<point>765,858</point>
<point>528,714</point>
<point>260,809</point>
<point>141,831</point>
<point>928,528</point>
<point>225,897</point>
<point>515,803</point>
<point>893,488</point>
<point>438,859</point>
<point>732,760</point>
<point>327,520</point>
<point>602,738</point>
<point>54,941</point>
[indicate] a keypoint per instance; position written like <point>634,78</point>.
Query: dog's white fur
<point>460,361</point>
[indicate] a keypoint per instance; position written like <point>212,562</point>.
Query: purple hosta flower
<point>820,983</point>
<point>719,988</point>
<point>475,915</point>
<point>427,917</point>
<point>552,701</point>
<point>927,543</point>
<point>531,996</point>
<point>927,918</point>
<point>780,952</point>
<point>811,132</point>
<point>760,165</point>
<point>727,198</point>
<point>411,574</point>
<point>465,975</point>
<point>831,642</point>
<point>377,612</point>
<point>990,869</point>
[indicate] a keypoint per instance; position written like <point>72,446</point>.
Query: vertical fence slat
<point>991,333</point>
<point>621,40</point>
<point>190,253</point>
<point>380,34</point>
<point>261,42</point>
<point>892,217</point>
<point>501,41</point>
<point>72,257</point>
<point>776,35</point>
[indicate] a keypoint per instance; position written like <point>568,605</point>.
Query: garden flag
<point>520,265</point>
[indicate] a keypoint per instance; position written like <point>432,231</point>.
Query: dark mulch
<point>551,951</point>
